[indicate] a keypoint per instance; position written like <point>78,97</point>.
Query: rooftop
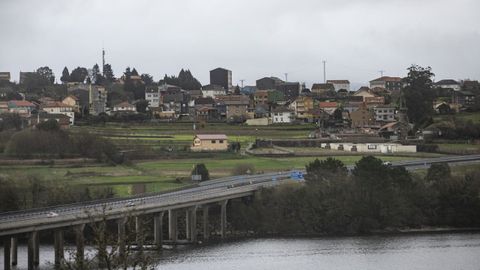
<point>387,79</point>
<point>54,104</point>
<point>212,136</point>
<point>21,103</point>
<point>322,86</point>
<point>447,82</point>
<point>327,104</point>
<point>338,81</point>
<point>281,109</point>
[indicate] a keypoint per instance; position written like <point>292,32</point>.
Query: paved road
<point>205,192</point>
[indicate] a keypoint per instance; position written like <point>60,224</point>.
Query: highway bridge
<point>201,197</point>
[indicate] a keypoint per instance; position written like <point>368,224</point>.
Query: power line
<point>381,72</point>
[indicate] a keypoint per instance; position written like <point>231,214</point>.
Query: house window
<point>372,146</point>
<point>213,141</point>
<point>221,141</point>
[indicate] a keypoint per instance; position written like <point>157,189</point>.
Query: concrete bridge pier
<point>33,250</point>
<point>158,229</point>
<point>139,233</point>
<point>223,218</point>
<point>172,225</point>
<point>188,225</point>
<point>80,242</point>
<point>192,224</point>
<point>58,246</point>
<point>206,231</point>
<point>121,235</point>
<point>36,249</point>
<point>7,245</point>
<point>14,250</point>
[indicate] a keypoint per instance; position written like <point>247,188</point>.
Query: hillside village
<point>87,96</point>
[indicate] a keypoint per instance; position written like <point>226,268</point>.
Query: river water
<point>426,251</point>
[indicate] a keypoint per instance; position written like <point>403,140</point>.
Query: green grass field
<point>457,170</point>
<point>160,175</point>
<point>166,173</point>
<point>451,147</point>
<point>474,117</point>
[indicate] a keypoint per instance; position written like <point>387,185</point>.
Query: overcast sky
<point>253,38</point>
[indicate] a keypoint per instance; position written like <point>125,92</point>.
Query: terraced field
<point>178,136</point>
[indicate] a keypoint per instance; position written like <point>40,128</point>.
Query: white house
<point>153,98</point>
<point>282,115</point>
<point>213,91</point>
<point>340,84</point>
<point>384,113</point>
<point>449,84</point>
<point>371,147</point>
<point>125,107</point>
<point>60,108</point>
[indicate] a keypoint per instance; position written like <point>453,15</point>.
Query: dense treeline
<point>454,129</point>
<point>373,197</point>
<point>185,80</point>
<point>32,192</point>
<point>49,141</point>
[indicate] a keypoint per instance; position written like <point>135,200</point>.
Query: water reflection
<point>436,251</point>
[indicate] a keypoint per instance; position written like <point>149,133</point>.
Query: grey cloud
<point>253,38</point>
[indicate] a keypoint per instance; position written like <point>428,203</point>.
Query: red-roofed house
<point>60,108</point>
<point>365,93</point>
<point>389,83</point>
<point>210,142</point>
<point>22,107</point>
<point>328,107</point>
<point>72,101</point>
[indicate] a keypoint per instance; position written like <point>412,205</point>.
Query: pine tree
<point>96,76</point>
<point>108,73</point>
<point>65,75</point>
<point>134,72</point>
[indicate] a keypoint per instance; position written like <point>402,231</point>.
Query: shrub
<point>245,168</point>
<point>201,169</point>
<point>33,143</point>
<point>50,125</point>
<point>51,143</point>
<point>429,148</point>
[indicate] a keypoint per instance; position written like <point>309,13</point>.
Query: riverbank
<point>385,232</point>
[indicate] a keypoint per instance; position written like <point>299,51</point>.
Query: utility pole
<point>381,72</point>
<point>286,77</point>
<point>103,62</point>
<point>324,71</point>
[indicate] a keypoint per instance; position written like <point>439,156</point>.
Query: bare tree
<point>113,251</point>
